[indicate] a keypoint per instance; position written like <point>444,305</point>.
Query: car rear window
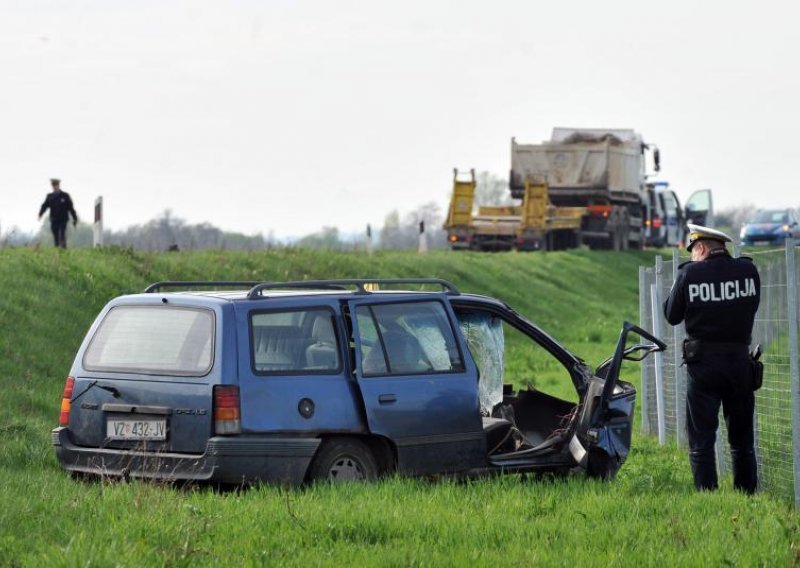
<point>153,340</point>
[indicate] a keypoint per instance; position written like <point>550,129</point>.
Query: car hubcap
<point>346,468</point>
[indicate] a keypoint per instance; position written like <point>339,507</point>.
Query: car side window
<point>407,339</point>
<point>294,342</point>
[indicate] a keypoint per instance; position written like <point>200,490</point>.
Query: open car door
<point>700,208</point>
<point>607,414</point>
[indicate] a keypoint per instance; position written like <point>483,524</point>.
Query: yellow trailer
<point>534,224</point>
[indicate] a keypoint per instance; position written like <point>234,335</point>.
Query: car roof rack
<point>158,286</point>
<point>362,285</point>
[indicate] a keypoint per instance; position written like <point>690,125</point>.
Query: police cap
<point>698,232</point>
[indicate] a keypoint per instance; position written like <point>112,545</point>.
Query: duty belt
<point>721,346</point>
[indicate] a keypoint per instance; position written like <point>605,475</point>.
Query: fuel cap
<point>306,407</point>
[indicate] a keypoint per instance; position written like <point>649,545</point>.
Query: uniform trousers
<point>721,379</point>
<point>59,229</point>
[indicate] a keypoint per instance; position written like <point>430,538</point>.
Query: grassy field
<point>648,515</point>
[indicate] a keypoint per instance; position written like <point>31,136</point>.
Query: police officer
<point>60,205</point>
<point>717,297</point>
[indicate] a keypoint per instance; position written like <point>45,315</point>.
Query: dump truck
<point>533,224</point>
<point>583,186</point>
<point>601,170</point>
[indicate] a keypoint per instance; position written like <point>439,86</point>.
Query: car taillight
<point>66,401</point>
<point>656,222</point>
<point>227,416</point>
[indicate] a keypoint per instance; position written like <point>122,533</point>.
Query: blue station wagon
<point>239,382</point>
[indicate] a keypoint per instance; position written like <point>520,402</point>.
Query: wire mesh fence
<point>777,418</point>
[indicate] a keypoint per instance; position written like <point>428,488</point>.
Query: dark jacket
<point>60,205</point>
<point>717,297</point>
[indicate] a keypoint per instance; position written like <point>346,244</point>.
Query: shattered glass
<point>434,345</point>
<point>484,335</point>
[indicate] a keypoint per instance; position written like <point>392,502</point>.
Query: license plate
<point>136,429</point>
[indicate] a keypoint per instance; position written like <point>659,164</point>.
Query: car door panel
<point>432,417</point>
<point>307,400</point>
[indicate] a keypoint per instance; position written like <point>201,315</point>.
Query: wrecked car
<point>292,382</point>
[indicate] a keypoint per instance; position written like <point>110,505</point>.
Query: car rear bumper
<point>227,459</point>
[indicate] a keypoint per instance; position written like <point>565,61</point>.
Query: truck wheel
<point>343,459</point>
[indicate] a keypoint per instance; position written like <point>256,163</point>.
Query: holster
<point>691,350</point>
<point>758,367</point>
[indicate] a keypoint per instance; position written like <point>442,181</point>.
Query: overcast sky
<point>287,116</point>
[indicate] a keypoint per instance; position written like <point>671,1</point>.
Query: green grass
<point>648,515</point>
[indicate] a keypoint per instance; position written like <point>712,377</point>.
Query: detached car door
<point>419,388</point>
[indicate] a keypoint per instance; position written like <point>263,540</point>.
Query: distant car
<point>333,380</point>
<point>770,227</point>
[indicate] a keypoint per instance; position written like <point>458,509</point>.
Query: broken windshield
<point>484,335</point>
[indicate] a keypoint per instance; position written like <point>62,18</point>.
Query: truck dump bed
<point>582,166</point>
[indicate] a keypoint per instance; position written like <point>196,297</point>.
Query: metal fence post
<point>643,307</point>
<point>655,297</point>
<point>794,364</point>
<point>659,368</point>
<point>680,409</point>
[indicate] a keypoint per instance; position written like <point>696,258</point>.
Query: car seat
<point>405,353</point>
<point>321,354</point>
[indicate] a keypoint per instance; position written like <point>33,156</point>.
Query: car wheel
<point>343,459</point>
<point>601,465</point>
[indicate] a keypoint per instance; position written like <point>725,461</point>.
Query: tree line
<point>170,232</point>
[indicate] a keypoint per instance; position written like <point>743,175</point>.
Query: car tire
<point>340,460</point>
<point>601,465</point>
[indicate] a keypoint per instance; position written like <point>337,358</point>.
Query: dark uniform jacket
<point>60,205</point>
<point>718,297</point>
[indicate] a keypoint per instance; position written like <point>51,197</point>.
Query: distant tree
<point>326,239</point>
<point>397,234</point>
<point>431,215</point>
<point>391,234</point>
<point>734,217</point>
<point>168,232</point>
<point>491,189</point>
